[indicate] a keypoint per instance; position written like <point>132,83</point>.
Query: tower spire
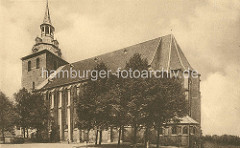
<point>47,29</point>
<point>47,35</point>
<point>47,19</point>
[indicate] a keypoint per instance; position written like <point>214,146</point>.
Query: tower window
<point>42,29</point>
<point>47,30</point>
<point>29,65</point>
<point>33,85</point>
<point>37,63</point>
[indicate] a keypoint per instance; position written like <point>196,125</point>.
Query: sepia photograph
<point>120,74</point>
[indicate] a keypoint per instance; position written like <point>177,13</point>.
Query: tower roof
<point>47,19</point>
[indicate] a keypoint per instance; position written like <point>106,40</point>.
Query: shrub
<point>224,139</point>
<point>18,140</point>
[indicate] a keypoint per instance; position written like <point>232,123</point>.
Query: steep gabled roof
<point>169,55</point>
<point>162,52</point>
<point>186,120</point>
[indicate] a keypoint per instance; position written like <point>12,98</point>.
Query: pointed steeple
<point>47,19</point>
<point>47,29</point>
<point>47,41</point>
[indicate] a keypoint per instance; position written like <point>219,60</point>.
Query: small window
<point>33,85</point>
<point>35,49</point>
<point>37,63</point>
<point>29,65</point>
<point>174,130</point>
<point>185,130</point>
<point>42,29</point>
<point>47,30</point>
<point>194,130</point>
<point>75,125</point>
<point>96,59</point>
<point>66,126</point>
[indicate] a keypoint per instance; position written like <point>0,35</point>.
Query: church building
<point>161,53</point>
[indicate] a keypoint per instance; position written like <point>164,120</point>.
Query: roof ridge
<point>183,56</point>
<point>159,44</point>
<point>170,50</point>
<point>179,57</point>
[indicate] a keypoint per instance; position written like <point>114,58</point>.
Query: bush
<point>224,139</point>
<point>18,140</point>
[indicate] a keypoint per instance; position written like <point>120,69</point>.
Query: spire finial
<point>47,19</point>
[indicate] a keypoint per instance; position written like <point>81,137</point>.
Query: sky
<point>208,32</point>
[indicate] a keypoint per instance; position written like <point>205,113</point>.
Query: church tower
<point>45,56</point>
<point>47,41</point>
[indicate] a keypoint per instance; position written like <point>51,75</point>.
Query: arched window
<point>174,130</point>
<point>29,65</point>
<point>194,130</point>
<point>185,130</point>
<point>37,63</point>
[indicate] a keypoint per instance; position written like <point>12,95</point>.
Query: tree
<point>127,95</point>
<point>152,101</point>
<point>136,93</point>
<point>166,102</point>
<point>92,106</point>
<point>39,115</point>
<point>118,102</point>
<point>7,115</point>
<point>33,112</point>
<point>22,98</point>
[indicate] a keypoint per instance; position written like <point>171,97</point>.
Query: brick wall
<point>195,96</point>
<point>28,77</point>
<point>47,61</point>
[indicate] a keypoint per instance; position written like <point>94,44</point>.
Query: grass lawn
<point>106,146</point>
<point>213,145</point>
<point>121,146</point>
<point>65,145</point>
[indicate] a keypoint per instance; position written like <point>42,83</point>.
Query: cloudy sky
<point>207,31</point>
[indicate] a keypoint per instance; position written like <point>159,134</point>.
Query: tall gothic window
<point>37,63</point>
<point>185,130</point>
<point>174,130</point>
<point>29,65</point>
